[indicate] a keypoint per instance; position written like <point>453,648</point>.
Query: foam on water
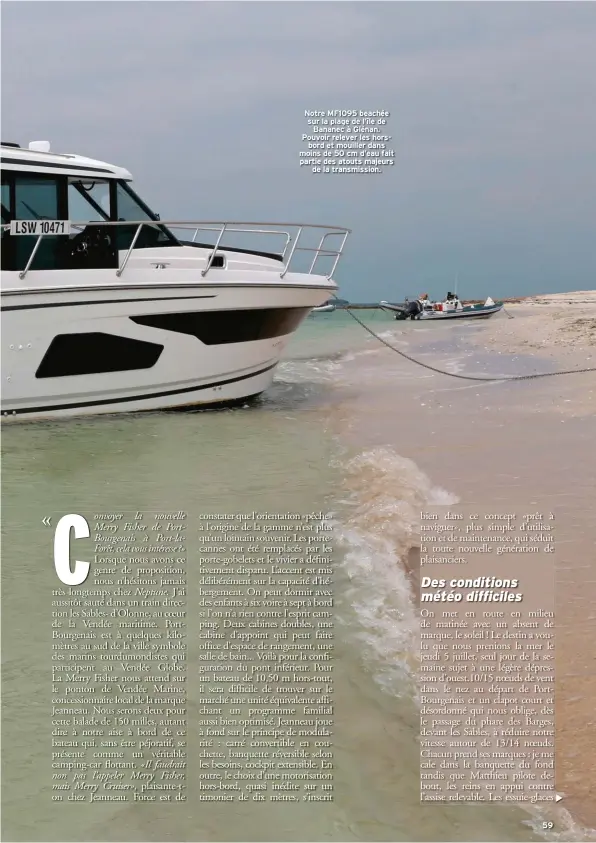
<point>315,369</point>
<point>379,530</point>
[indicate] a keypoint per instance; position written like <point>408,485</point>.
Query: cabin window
<point>96,353</point>
<point>36,197</point>
<point>229,326</point>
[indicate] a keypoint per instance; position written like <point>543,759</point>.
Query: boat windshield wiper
<point>34,213</point>
<point>31,211</point>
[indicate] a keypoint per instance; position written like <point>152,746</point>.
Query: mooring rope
<point>465,377</point>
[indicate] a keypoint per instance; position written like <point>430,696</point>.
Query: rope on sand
<point>465,377</point>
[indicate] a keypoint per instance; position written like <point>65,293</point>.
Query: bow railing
<point>296,239</point>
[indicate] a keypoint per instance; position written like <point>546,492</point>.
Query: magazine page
<point>298,422</point>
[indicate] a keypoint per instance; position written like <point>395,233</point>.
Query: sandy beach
<point>558,325</point>
<point>559,331</point>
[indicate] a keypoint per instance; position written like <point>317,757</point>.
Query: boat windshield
<point>131,207</point>
<point>116,201</point>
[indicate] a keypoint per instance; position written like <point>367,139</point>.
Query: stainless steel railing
<point>293,232</point>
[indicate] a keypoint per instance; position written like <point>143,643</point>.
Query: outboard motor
<point>413,310</point>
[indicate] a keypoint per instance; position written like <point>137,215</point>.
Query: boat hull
<point>232,390</point>
<point>472,313</point>
<point>150,347</point>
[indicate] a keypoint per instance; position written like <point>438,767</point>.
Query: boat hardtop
<point>39,158</point>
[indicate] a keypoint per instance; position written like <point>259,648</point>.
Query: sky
<point>491,107</point>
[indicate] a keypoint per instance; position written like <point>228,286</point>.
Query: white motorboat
<point>324,308</point>
<point>106,308</point>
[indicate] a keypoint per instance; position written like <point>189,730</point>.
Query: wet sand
<point>527,443</point>
<point>560,327</point>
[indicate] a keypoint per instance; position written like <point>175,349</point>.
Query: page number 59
<point>79,573</point>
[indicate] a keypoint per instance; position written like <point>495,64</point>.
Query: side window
<point>36,198</point>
